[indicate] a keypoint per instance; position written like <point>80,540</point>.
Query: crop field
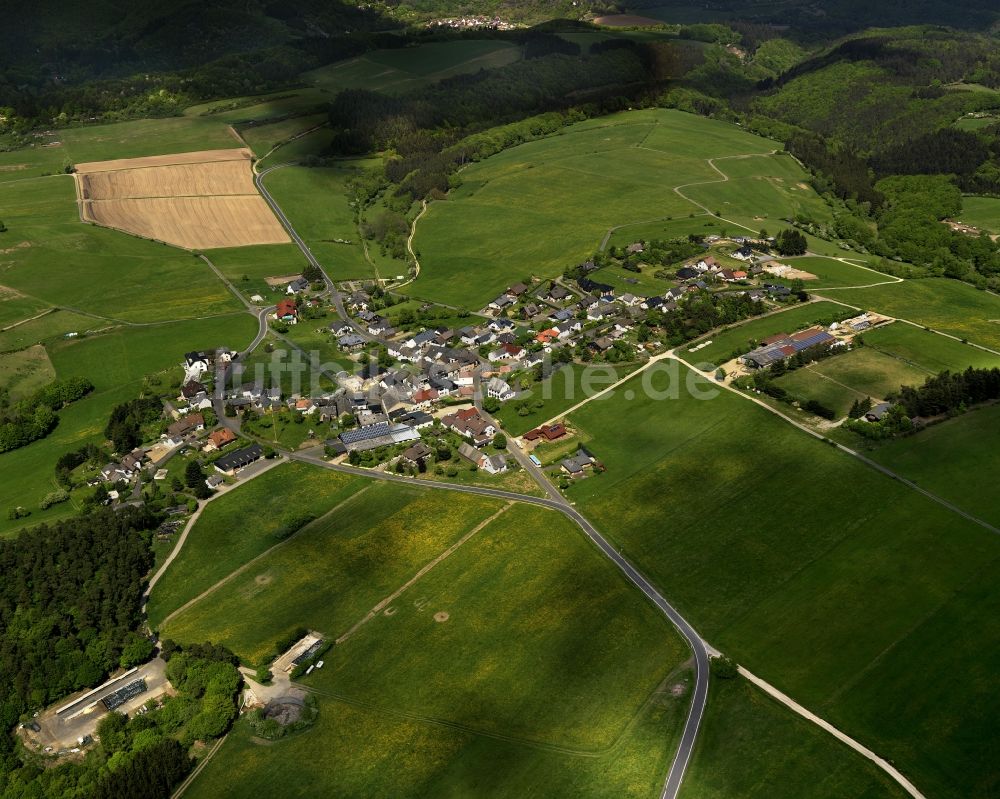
<point>753,748</point>
<point>195,200</point>
<point>330,575</point>
<point>813,570</point>
<point>927,350</point>
<point>981,212</point>
<point>955,459</point>
<point>795,318</point>
<point>546,205</point>
<point>939,303</point>
<point>841,379</point>
<point>144,137</point>
<point>54,258</point>
<point>23,372</point>
<point>237,527</point>
<point>408,68</point>
<point>316,203</point>
<point>524,653</point>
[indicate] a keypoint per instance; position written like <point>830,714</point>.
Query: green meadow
<point>752,747</point>
<point>981,212</point>
<point>674,228</point>
<point>223,539</point>
<point>927,350</point>
<point>134,139</point>
<point>407,68</point>
<point>243,111</point>
<point>938,303</point>
<point>57,260</point>
<point>839,380</point>
<point>263,138</point>
<point>524,654</point>
<point>25,371</point>
<point>956,459</point>
<point>327,226</point>
<point>796,317</point>
<point>808,567</point>
<point>48,327</point>
<point>546,205</point>
<point>331,574</point>
<point>15,307</point>
<point>831,273</point>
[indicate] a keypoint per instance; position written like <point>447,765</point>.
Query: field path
<point>237,572</point>
<point>725,179</point>
<point>409,245</point>
<point>409,583</point>
<point>191,522</point>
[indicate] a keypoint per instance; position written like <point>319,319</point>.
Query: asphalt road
<point>699,696</point>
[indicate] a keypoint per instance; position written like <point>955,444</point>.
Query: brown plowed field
<point>197,223</point>
<point>200,200</point>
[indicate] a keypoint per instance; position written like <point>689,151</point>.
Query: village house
<point>578,465</point>
<point>287,311</point>
<point>470,424</point>
<point>218,439</point>
<point>744,253</point>
<point>297,286</point>
<point>499,389</point>
<point>491,464</point>
<point>548,432</point>
<point>238,459</point>
<point>417,453</point>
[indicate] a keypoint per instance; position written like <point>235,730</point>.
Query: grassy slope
<point>23,372</point>
<point>546,205</point>
<point>956,459</point>
<point>927,350</point>
<point>941,304</point>
<point>60,261</point>
<point>410,68</point>
<point>120,140</point>
<point>315,202</point>
<point>833,273</point>
<point>753,748</point>
<point>223,540</point>
<point>808,567</point>
<point>545,644</point>
<point>354,558</point>
<point>981,212</point>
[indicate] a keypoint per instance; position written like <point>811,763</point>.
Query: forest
<point>34,416</point>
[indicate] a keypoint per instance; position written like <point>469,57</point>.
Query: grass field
<point>46,328</point>
<point>753,748</point>
<point>927,350</point>
<point>15,307</point>
<point>115,362</point>
<point>981,212</point>
<point>409,68</point>
<point>54,258</point>
<point>315,201</point>
<point>329,576</point>
<point>222,540</point>
<point>547,204</point>
<point>249,267</point>
<point>262,138</point>
<point>955,459</point>
<point>832,273</point>
<point>23,372</point>
<point>813,570</point>
<point>941,304</point>
<point>796,317</point>
<point>120,140</point>
<point>665,229</point>
<point>841,379</point>
<point>544,645</point>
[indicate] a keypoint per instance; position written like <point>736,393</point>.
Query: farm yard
<point>562,194</point>
<point>196,200</point>
<point>479,647</point>
<point>811,620</point>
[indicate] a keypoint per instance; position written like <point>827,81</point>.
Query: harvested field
<point>197,200</point>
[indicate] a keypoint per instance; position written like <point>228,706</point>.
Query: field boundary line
<point>455,725</point>
<point>422,572</point>
<point>790,703</point>
<point>46,312</point>
<point>198,769</point>
<point>240,570</point>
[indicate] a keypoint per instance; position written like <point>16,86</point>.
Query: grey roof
<point>239,458</point>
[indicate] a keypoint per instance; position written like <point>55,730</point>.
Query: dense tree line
<point>124,428</point>
<point>949,392</point>
<point>34,417</point>
<point>703,312</point>
<point>69,601</point>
